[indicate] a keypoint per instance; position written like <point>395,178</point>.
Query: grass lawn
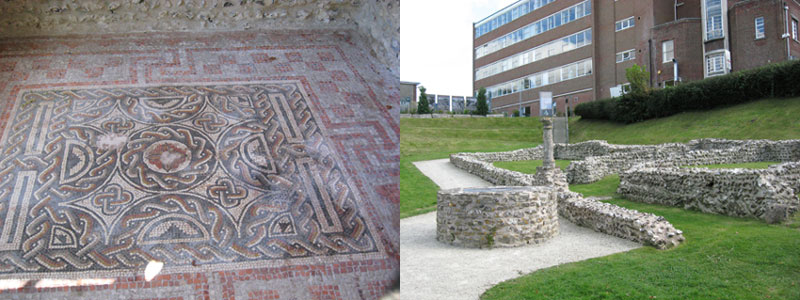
<point>528,166</point>
<point>426,139</point>
<point>774,119</point>
<point>722,258</point>
<point>753,165</point>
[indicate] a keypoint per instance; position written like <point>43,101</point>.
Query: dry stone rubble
<point>655,174</point>
<point>497,216</point>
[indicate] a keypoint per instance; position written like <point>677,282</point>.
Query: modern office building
<point>579,49</point>
<point>408,95</point>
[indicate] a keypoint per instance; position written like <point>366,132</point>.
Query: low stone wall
<point>497,216</point>
<point>593,160</point>
<point>767,194</point>
<point>610,219</point>
<point>480,164</point>
<point>652,173</point>
<point>629,224</point>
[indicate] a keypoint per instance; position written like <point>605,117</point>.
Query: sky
<point>436,42</point>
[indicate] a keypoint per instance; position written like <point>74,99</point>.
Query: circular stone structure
<point>497,216</point>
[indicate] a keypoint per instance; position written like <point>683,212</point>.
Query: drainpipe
<point>674,69</point>
<point>786,34</point>
<point>675,10</point>
<point>654,75</point>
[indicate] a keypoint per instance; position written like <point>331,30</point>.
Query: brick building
<point>579,49</point>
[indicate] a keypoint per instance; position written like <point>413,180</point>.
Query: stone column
<point>548,162</point>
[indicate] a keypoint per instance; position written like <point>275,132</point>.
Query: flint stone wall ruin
<point>768,194</point>
<point>496,216</point>
<point>593,160</point>
<point>652,174</point>
<point>629,224</point>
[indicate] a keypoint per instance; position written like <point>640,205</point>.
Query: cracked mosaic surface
<point>351,145</point>
<point>201,174</point>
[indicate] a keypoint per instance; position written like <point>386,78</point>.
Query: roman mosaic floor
<point>253,165</point>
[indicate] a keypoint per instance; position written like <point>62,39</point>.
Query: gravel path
<point>433,270</point>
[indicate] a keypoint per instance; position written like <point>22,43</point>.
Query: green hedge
<point>775,80</point>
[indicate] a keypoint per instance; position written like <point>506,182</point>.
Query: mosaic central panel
<point>196,176</point>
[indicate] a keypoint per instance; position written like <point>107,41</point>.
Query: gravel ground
<point>447,176</point>
<point>433,270</point>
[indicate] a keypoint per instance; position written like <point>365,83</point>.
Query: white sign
<point>545,103</point>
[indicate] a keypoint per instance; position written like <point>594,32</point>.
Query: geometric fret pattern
<point>350,98</point>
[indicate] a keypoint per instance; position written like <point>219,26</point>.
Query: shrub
<point>775,80</point>
<point>481,107</point>
<point>638,77</point>
<point>422,103</point>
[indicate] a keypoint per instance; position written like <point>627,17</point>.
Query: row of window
<point>518,10</point>
<point>545,24</point>
<point>552,76</point>
<point>761,33</point>
<point>546,50</point>
<point>625,24</point>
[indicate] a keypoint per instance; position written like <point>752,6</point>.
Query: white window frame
<point>626,23</point>
<point>760,34</point>
<point>709,63</point>
<point>664,51</point>
<point>706,29</point>
<point>794,29</point>
<point>620,57</point>
<point>625,88</point>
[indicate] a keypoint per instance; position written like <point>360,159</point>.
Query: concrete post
<point>548,161</point>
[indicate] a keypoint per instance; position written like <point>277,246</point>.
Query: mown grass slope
<point>425,139</point>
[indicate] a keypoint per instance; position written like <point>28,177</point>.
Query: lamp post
<point>566,108</point>
<point>545,111</point>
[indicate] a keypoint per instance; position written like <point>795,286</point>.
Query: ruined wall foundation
<point>497,216</point>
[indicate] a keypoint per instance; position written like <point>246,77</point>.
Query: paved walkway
<point>433,270</point>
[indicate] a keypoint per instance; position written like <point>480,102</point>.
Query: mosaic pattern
<point>215,175</point>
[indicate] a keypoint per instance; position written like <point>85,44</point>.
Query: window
<point>626,88</point>
<point>667,51</point>
<point>625,24</point>
<point>513,13</point>
<point>713,19</point>
<point>794,29</point>
<point>760,28</point>
<point>543,51</point>
<point>715,64</point>
<point>626,55</point>
<point>551,76</point>
<point>560,18</point>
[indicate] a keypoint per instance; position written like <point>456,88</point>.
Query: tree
<point>482,108</point>
<point>638,78</point>
<point>422,104</point>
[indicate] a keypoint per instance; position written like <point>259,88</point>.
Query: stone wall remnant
<point>593,160</point>
<point>768,194</point>
<point>502,216</point>
<point>621,222</point>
